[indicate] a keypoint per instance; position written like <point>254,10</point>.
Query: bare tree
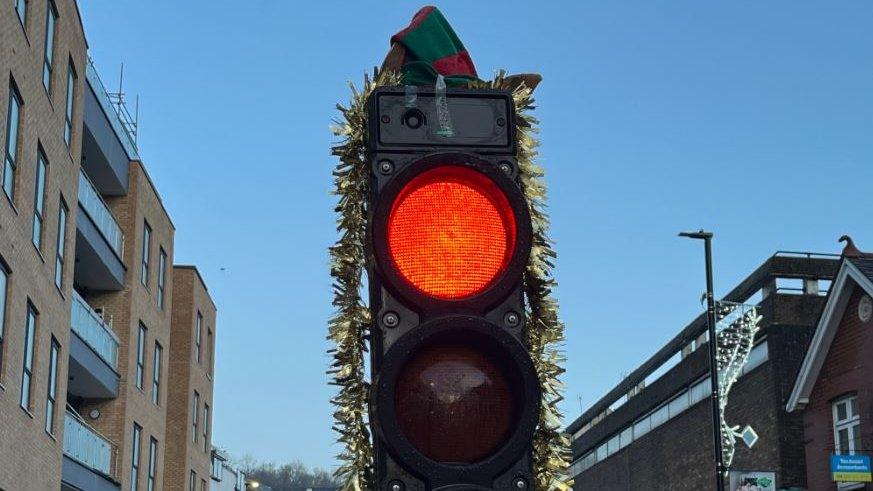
<point>293,476</point>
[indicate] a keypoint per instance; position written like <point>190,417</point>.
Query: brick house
<point>834,389</point>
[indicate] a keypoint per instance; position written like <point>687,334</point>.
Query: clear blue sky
<point>753,119</point>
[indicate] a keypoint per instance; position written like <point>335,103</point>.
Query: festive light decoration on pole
<point>737,326</point>
<point>506,427</point>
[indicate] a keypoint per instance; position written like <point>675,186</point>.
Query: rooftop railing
<point>94,330</point>
<point>99,212</point>
<point>87,446</point>
<point>117,119</point>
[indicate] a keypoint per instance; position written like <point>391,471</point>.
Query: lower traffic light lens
<point>456,401</point>
<point>451,232</point>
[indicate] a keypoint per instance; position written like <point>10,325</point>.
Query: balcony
<point>93,353</point>
<point>90,459</point>
<point>99,242</point>
<point>107,146</point>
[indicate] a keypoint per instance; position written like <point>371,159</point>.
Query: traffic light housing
<point>455,396</point>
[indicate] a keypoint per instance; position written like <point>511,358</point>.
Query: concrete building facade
<point>87,284</point>
<point>654,430</point>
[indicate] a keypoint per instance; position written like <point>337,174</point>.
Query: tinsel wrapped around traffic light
<point>442,205</point>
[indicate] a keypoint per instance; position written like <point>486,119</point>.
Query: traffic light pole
<point>713,356</point>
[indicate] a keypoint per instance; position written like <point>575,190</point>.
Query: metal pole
<point>713,354</point>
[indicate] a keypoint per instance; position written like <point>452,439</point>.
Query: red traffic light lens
<point>456,401</point>
<point>451,232</point>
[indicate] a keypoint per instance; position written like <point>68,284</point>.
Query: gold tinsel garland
<point>351,322</point>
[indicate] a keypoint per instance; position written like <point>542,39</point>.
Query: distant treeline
<point>293,476</point>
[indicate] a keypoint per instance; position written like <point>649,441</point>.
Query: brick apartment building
<point>653,430</point>
<point>101,351</point>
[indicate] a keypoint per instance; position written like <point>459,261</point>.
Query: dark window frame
<point>10,154</point>
<point>146,254</point>
<point>31,323</point>
<point>5,273</point>
<point>69,108</point>
<point>153,464</point>
<point>61,243</point>
<point>39,192</point>
<point>162,276</point>
<point>198,337</point>
<point>142,334</point>
<point>22,14</point>
<point>52,389</point>
<point>48,59</point>
<point>156,373</point>
<point>195,416</point>
<point>206,416</point>
<point>136,443</point>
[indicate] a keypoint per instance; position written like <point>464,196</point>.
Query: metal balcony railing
<point>99,212</point>
<point>88,447</point>
<point>117,114</point>
<point>94,330</point>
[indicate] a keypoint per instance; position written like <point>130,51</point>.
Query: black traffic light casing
<point>411,131</point>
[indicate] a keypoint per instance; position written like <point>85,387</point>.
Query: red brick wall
<point>848,368</point>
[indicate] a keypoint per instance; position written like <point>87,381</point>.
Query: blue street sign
<point>851,468</point>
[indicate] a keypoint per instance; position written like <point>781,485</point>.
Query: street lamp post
<point>706,237</point>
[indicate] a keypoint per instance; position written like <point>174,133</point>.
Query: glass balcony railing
<point>99,212</point>
<point>88,447</point>
<point>94,330</point>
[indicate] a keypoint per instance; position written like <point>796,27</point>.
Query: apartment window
<point>194,416</point>
<point>156,374</point>
<point>210,347</point>
<point>51,18</point>
<point>68,111</point>
<point>27,369</point>
<point>4,281</point>
<point>153,463</point>
<point>216,467</point>
<point>21,10</point>
<point>134,457</point>
<point>203,485</point>
<point>39,198</point>
<point>61,249</point>
<point>13,117</point>
<point>192,481</point>
<point>50,401</point>
<point>162,272</point>
<point>146,247</point>
<point>140,355</point>
<point>198,336</point>
<point>205,427</point>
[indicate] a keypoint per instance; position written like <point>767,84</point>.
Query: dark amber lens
<point>455,401</point>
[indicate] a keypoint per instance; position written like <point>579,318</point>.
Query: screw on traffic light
<point>455,396</point>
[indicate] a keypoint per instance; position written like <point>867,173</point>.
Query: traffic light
<point>455,396</point>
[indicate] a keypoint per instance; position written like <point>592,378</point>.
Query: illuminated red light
<point>455,403</point>
<point>451,232</point>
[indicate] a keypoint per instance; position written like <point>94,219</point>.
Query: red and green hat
<point>432,49</point>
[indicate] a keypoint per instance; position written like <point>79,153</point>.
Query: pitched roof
<point>853,271</point>
<point>864,265</point>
